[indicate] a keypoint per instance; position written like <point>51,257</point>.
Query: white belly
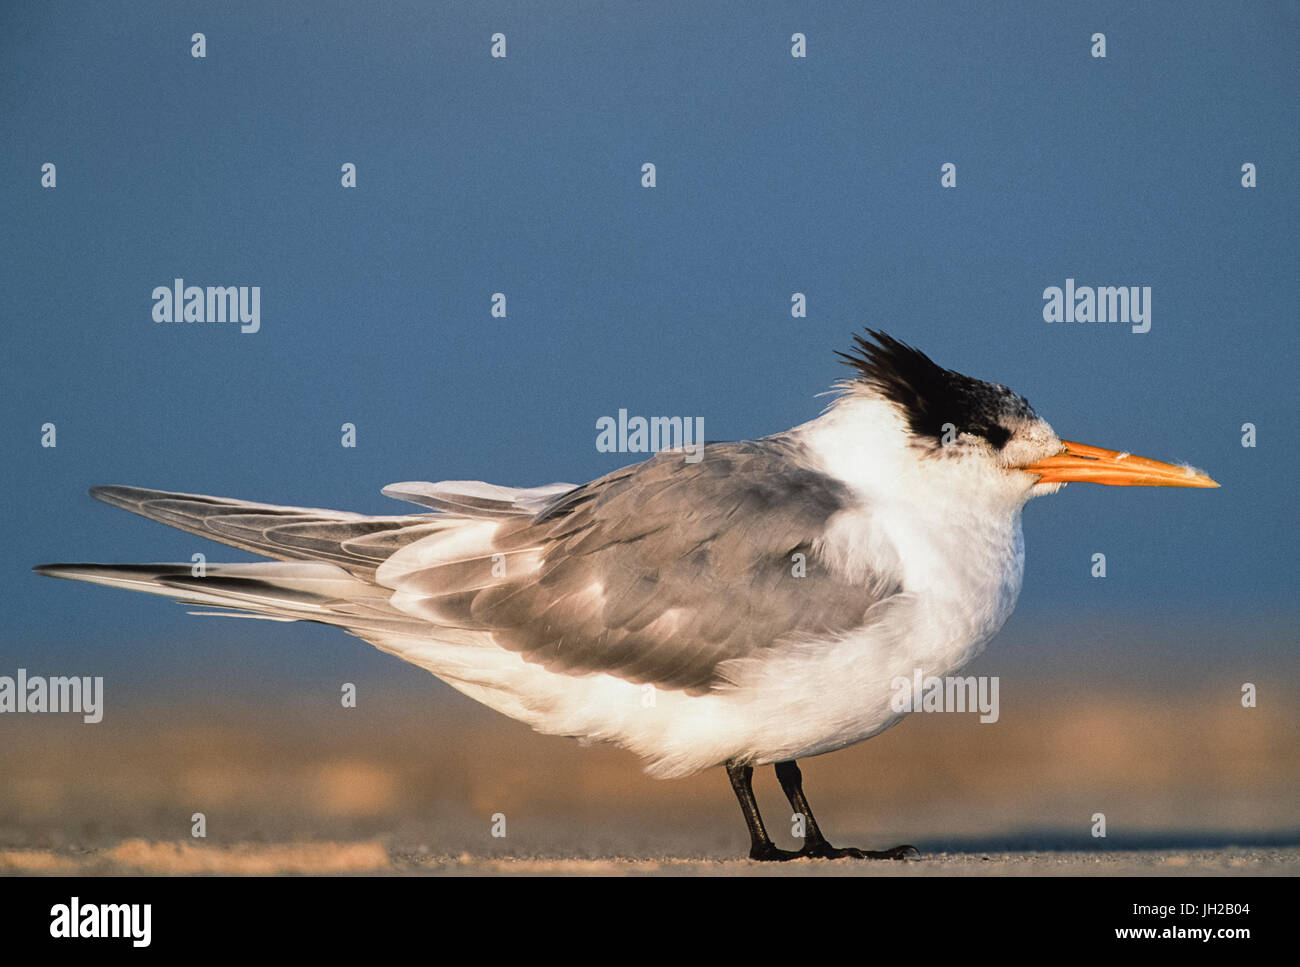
<point>959,590</point>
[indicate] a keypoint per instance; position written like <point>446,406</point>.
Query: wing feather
<point>659,573</point>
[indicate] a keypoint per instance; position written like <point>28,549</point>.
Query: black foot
<point>825,851</point>
<point>771,854</point>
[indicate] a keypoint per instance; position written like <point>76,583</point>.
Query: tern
<point>749,608</point>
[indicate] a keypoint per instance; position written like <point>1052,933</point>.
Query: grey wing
<point>327,558</point>
<point>659,572</point>
<point>476,499</point>
<point>354,542</point>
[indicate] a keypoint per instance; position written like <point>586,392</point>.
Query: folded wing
<point>660,572</point>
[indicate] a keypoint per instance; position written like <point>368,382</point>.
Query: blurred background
<point>522,175</point>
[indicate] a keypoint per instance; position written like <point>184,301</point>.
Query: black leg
<point>761,846</point>
<point>814,843</point>
<point>791,779</point>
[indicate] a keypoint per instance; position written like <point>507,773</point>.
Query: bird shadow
<point>1049,841</point>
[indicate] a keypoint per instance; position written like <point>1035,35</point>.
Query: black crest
<point>929,395</point>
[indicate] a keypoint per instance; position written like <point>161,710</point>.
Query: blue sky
<point>521,175</point>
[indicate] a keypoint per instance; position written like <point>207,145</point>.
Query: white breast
<point>954,545</point>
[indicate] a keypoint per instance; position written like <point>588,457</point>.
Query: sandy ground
<point>1189,783</point>
<point>374,858</point>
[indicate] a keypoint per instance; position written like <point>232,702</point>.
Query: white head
<point>904,423</point>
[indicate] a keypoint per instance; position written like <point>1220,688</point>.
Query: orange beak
<point>1080,463</point>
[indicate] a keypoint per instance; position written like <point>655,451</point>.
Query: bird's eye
<point>997,435</point>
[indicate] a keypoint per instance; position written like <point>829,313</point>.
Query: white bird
<point>753,607</point>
